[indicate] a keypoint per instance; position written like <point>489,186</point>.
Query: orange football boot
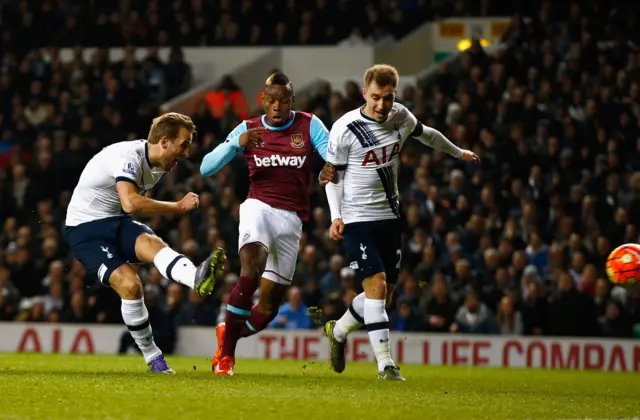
<point>225,366</point>
<point>220,336</point>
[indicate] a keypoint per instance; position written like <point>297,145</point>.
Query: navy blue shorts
<point>374,247</point>
<point>104,245</point>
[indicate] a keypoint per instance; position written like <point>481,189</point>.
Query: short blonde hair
<point>169,125</point>
<point>383,74</point>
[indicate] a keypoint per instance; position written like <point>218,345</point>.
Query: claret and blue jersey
<point>280,170</point>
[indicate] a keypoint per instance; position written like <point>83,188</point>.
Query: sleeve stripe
<point>340,167</point>
<point>125,179</point>
<point>418,130</point>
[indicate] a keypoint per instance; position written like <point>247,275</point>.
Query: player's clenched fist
<point>336,230</point>
<point>328,174</point>
<point>252,137</point>
<point>189,202</point>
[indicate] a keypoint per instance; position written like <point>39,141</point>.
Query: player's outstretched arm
<point>435,139</point>
<point>223,153</point>
<point>138,205</point>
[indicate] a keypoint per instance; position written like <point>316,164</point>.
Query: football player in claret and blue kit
<point>279,147</point>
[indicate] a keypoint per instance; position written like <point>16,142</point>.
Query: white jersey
<point>95,197</point>
<point>369,152</point>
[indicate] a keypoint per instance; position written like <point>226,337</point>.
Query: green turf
<point>52,387</point>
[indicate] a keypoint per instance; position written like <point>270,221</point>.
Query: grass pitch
<point>92,387</point>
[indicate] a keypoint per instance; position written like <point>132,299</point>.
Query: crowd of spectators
<point>513,245</point>
<point>25,24</point>
<point>521,240</point>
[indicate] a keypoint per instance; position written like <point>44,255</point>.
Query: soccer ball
<point>623,264</point>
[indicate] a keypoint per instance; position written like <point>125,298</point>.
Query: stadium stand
<point>212,22</point>
<point>515,245</point>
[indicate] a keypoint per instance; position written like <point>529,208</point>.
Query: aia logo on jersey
<point>297,141</point>
<point>382,155</point>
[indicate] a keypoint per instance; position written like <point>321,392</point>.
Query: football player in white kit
<point>106,239</point>
<point>364,148</point>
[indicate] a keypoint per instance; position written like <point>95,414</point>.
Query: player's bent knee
<point>129,288</point>
<point>148,246</point>
<point>126,283</point>
<point>253,260</point>
<point>375,287</point>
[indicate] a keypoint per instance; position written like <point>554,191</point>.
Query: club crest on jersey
<point>129,169</point>
<point>297,141</point>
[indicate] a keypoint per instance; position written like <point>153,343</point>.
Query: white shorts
<point>278,231</point>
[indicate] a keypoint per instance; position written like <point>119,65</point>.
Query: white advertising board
<point>408,348</point>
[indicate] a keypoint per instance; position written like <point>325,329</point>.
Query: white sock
<point>175,267</point>
<point>352,319</point>
<point>136,318</point>
<point>376,322</point>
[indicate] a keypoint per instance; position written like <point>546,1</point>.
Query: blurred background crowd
<point>513,245</point>
<point>95,23</point>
